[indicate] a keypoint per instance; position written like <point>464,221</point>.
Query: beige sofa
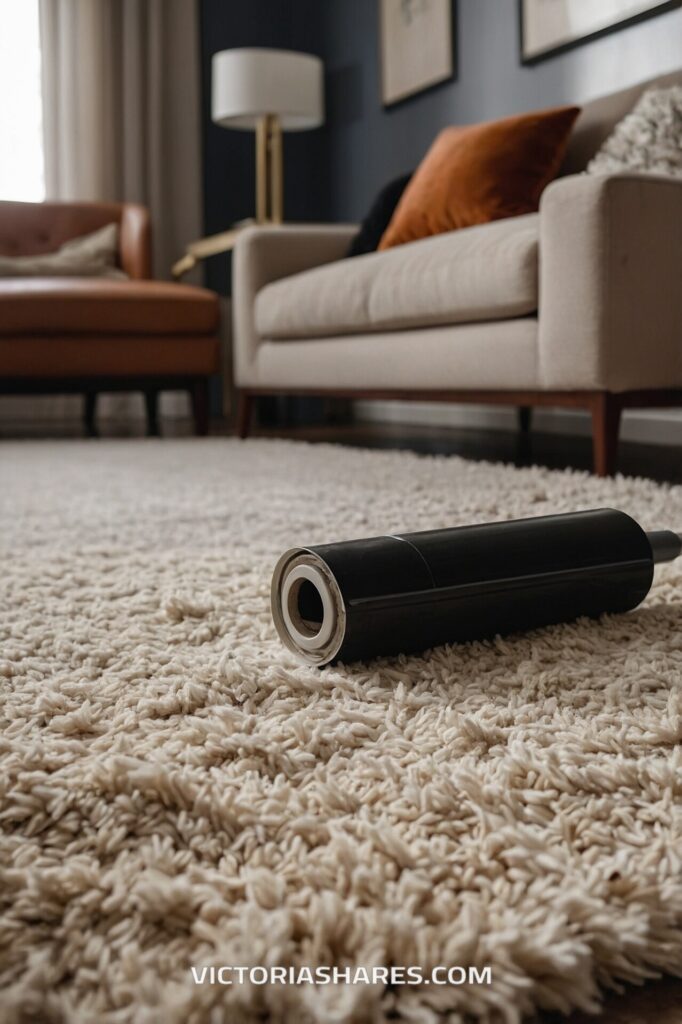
<point>577,305</point>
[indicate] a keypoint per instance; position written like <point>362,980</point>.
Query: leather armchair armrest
<point>611,282</point>
<point>265,253</point>
<point>135,242</point>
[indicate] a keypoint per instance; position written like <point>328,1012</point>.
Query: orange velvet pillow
<point>481,172</point>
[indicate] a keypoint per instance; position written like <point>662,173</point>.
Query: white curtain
<point>122,110</point>
<point>121,121</point>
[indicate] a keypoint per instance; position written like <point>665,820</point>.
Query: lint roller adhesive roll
<point>397,594</point>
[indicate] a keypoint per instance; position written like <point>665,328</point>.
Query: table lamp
<point>268,91</point>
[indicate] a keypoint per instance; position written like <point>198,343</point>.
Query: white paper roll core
<point>313,642</point>
<point>310,640</point>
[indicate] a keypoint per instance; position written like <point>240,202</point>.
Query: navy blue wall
<point>368,145</point>
<point>333,173</point>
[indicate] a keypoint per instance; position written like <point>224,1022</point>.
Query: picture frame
<point>416,47</point>
<point>548,28</point>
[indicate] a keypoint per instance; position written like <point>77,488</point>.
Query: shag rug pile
<point>177,791</point>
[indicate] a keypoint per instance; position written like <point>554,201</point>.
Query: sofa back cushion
<point>599,117</point>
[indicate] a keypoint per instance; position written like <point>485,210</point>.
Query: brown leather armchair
<point>76,334</point>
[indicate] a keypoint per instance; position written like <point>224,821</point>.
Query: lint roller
<point>398,594</point>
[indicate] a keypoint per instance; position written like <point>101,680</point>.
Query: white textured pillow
<point>648,139</point>
<point>91,255</point>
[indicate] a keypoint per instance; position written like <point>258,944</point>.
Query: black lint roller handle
<point>398,594</point>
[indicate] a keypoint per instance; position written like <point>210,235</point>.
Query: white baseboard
<point>649,426</point>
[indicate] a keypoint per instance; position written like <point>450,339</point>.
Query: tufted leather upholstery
<point>31,229</point>
<point>64,328</point>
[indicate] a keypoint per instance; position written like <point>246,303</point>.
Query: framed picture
<point>416,41</point>
<point>549,27</point>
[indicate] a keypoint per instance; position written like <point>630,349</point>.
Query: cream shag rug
<point>177,790</point>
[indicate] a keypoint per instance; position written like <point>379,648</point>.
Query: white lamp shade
<point>250,83</point>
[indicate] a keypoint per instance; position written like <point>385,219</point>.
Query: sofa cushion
<point>488,272</point>
<point>94,305</point>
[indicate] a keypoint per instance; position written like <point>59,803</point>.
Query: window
<point>22,172</point>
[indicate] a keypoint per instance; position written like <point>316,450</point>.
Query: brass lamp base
<point>269,172</point>
<point>269,197</point>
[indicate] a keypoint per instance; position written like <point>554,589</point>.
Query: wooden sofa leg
<point>151,404</point>
<point>525,413</point>
<point>606,410</point>
<point>244,414</point>
<point>90,414</point>
<point>200,406</point>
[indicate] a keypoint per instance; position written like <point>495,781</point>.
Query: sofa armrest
<point>611,283</point>
<point>265,253</point>
<point>135,242</point>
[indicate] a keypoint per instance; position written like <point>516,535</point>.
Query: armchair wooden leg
<point>244,414</point>
<point>525,413</point>
<point>90,413</point>
<point>151,404</point>
<point>200,406</point>
<point>606,410</point>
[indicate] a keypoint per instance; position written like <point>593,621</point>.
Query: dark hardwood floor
<point>557,451</point>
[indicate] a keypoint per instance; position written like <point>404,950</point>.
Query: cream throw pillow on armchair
<point>91,255</point>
